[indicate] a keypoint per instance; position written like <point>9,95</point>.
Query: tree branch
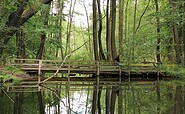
<point>140,19</point>
<point>62,64</point>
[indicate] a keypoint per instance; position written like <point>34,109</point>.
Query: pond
<point>149,97</point>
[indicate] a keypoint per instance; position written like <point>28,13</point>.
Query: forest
<point>137,30</point>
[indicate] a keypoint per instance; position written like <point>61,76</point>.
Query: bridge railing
<point>97,66</point>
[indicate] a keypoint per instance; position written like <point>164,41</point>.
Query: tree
<point>16,19</point>
<point>158,32</point>
<point>95,41</point>
<point>121,10</point>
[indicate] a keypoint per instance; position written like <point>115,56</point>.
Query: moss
<point>173,70</point>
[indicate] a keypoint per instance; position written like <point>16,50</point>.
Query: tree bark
<point>121,11</point>
<point>184,32</point>
<point>69,24</point>
<point>43,34</point>
<point>95,42</point>
<point>134,30</point>
<point>113,26</point>
<point>20,43</point>
<point>101,52</point>
<point>176,35</point>
<point>108,37</point>
<point>158,33</point>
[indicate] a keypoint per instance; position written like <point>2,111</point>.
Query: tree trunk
<point>20,42</point>
<point>158,33</point>
<point>113,25</point>
<point>15,20</point>
<point>108,37</point>
<point>71,12</point>
<point>134,30</point>
<point>95,42</point>
<point>184,32</point>
<point>88,29</point>
<point>101,53</point>
<point>43,34</point>
<point>176,35</point>
<point>177,44</point>
<point>121,10</point>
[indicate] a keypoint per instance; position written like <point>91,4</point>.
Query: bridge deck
<point>84,67</point>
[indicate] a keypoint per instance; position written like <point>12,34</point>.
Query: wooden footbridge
<point>101,72</point>
<point>97,68</point>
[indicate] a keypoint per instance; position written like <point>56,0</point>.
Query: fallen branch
<point>62,63</point>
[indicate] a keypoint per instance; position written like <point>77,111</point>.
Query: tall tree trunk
<point>121,11</point>
<point>158,33</point>
<point>43,34</point>
<point>169,49</point>
<point>176,35</point>
<point>101,53</point>
<point>88,29</point>
<point>108,37</point>
<point>177,44</point>
<point>184,32</point>
<point>134,30</point>
<point>71,12</point>
<point>95,42</point>
<point>20,42</point>
<point>113,25</point>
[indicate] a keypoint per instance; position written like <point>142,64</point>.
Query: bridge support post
<point>68,77</point>
<point>39,75</point>
<point>119,75</point>
<point>98,71</point>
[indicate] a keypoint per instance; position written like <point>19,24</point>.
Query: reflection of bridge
<point>86,67</point>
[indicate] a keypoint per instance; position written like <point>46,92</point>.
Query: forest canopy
<point>137,30</point>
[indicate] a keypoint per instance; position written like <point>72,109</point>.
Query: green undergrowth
<point>173,70</point>
<point>8,75</point>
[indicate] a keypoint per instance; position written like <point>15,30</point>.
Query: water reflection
<point>165,97</point>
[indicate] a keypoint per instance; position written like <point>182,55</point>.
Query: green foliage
<point>173,70</point>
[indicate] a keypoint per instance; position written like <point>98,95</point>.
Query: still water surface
<point>163,97</point>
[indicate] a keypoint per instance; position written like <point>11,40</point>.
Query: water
<point>163,97</point>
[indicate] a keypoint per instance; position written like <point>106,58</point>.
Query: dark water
<point>163,97</point>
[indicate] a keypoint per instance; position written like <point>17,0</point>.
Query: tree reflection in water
<point>166,97</point>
